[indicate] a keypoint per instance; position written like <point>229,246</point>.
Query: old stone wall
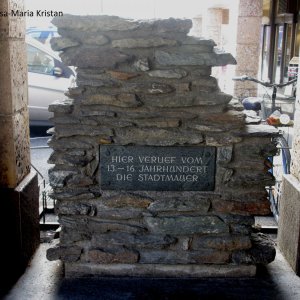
<point>295,164</point>
<point>248,45</point>
<point>289,221</point>
<point>149,84</point>
<point>14,121</point>
<point>19,192</point>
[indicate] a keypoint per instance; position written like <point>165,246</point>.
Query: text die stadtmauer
<point>157,168</point>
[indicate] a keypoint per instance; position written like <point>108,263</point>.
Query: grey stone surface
<point>122,100</point>
<point>262,252</point>
<point>176,73</point>
<point>93,23</point>
<point>288,233</point>
<point>112,257</point>
<point>179,58</point>
<point>223,243</point>
<point>59,44</point>
<point>187,224</point>
<point>160,270</point>
<point>78,130</point>
<point>147,83</point>
<point>154,241</point>
<point>122,200</point>
<point>143,43</point>
<point>203,256</point>
<point>66,106</point>
<point>156,136</point>
<point>91,57</point>
<point>75,208</point>
<point>68,254</point>
<point>180,205</point>
<point>142,64</point>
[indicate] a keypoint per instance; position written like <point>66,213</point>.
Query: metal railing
<point>46,204</point>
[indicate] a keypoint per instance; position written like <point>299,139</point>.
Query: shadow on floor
<point>44,279</point>
<point>260,287</point>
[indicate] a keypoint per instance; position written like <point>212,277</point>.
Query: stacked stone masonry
<point>148,83</point>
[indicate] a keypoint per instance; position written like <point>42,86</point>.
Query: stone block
<point>249,31</point>
<point>204,256</point>
<point>186,225</point>
<point>20,224</point>
<point>68,159</point>
<point>126,201</point>
<point>295,165</point>
<point>120,213</point>
<point>63,131</point>
<point>13,78</point>
<point>82,228</point>
<point>289,221</point>
<point>247,208</point>
<point>14,147</point>
<point>195,204</point>
<point>187,58</point>
<point>159,270</point>
<point>176,73</point>
<point>158,122</point>
<point>250,8</point>
<point>156,136</point>
<point>218,122</point>
<point>81,142</point>
<point>121,100</point>
<point>222,243</point>
<point>94,23</point>
<point>91,57</point>
<point>12,27</point>
<point>122,75</point>
<point>146,241</point>
<point>262,252</point>
<point>246,58</point>
<point>189,100</point>
<point>64,253</point>
<point>251,178</point>
<point>66,106</point>
<point>112,257</point>
<point>143,43</point>
<point>59,44</point>
<point>75,208</point>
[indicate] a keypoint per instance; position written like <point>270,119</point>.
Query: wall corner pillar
<point>18,185</point>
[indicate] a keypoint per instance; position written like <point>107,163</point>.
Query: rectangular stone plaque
<point>148,168</point>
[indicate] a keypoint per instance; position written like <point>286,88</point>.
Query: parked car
<point>42,34</point>
<point>48,79</point>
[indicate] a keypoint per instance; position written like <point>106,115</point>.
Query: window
<point>43,36</point>
<point>265,42</point>
<point>39,61</point>
<point>278,54</point>
<point>280,38</point>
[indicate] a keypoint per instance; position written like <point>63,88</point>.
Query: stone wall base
<point>19,222</point>
<point>75,270</point>
<point>289,222</point>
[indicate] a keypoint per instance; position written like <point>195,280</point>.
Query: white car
<point>48,79</point>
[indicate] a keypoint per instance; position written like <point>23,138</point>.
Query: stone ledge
<point>259,131</point>
<point>75,270</point>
